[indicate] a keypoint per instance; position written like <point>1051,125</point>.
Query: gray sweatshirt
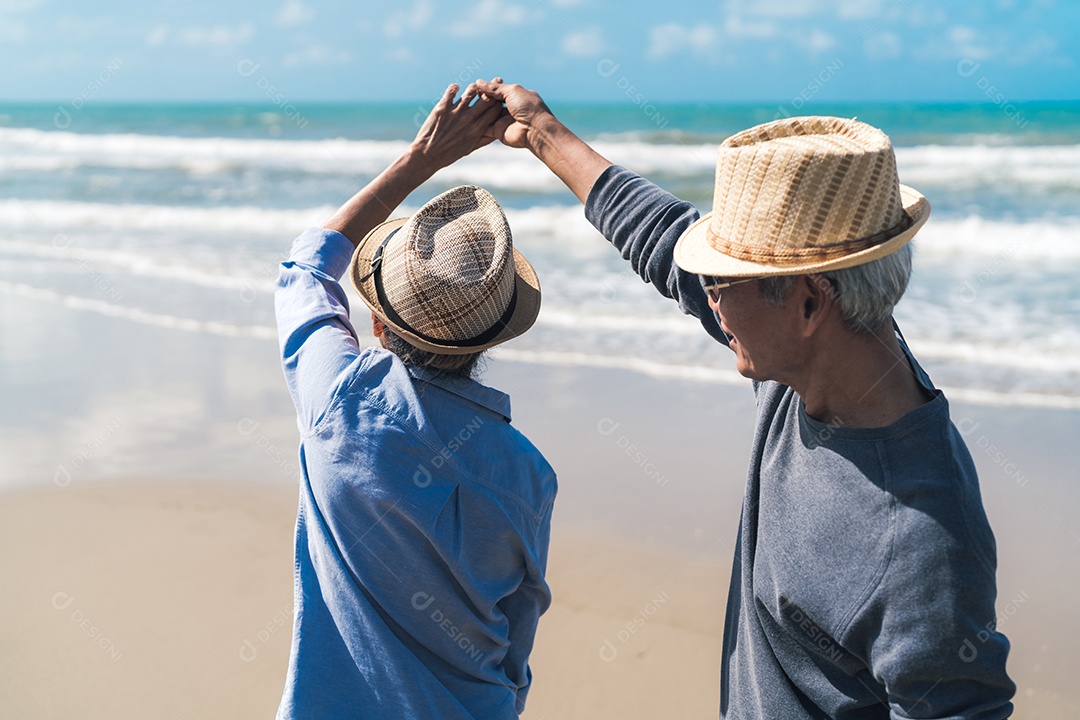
<point>863,581</point>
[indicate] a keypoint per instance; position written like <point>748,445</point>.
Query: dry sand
<point>139,599</point>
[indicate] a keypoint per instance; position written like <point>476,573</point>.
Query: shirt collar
<point>494,400</point>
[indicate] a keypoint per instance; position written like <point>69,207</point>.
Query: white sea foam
<point>1002,240</point>
<point>138,315</point>
<point>166,266</point>
<point>1030,356</point>
<point>693,373</point>
<point>495,166</point>
<point>562,221</point>
<point>1038,165</point>
<point>41,150</point>
<point>651,368</point>
<point>1057,355</point>
<point>976,396</point>
<point>564,225</point>
<point>672,323</point>
<point>83,216</point>
<point>714,376</point>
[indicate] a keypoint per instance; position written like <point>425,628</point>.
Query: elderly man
<point>864,578</point>
<point>422,532</point>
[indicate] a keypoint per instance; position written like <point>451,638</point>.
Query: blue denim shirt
<point>423,522</point>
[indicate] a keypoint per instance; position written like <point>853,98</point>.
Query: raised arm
<point>318,343</point>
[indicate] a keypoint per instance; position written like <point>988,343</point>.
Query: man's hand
<point>454,129</point>
<point>525,114</point>
<point>528,123</point>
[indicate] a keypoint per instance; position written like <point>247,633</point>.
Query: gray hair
<point>463,366</point>
<point>866,293</point>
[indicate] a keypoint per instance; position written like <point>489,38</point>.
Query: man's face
<point>765,338</point>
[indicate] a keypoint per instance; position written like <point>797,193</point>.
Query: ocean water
<point>176,216</point>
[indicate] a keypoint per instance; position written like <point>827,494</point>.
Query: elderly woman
<point>422,533</point>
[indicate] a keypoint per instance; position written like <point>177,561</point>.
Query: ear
<point>378,329</point>
<point>817,302</point>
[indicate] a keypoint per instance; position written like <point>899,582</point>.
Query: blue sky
<point>638,50</point>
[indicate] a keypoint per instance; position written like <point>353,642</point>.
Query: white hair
<point>866,293</point>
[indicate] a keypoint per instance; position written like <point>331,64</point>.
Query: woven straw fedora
<point>448,279</point>
<point>802,195</point>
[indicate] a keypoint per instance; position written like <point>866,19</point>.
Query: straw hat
<point>802,195</point>
<point>448,280</point>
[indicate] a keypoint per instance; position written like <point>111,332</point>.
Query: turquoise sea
<point>176,216</point>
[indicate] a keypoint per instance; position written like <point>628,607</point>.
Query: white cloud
<point>734,26</point>
<point>965,43</point>
<point>401,54</point>
<point>409,21</point>
<point>818,41</point>
<point>788,9</point>
<point>883,45</point>
<point>157,35</point>
<point>216,36</point>
<point>316,54</point>
<point>489,16</point>
<point>672,38</point>
<point>221,36</point>
<point>14,6</point>
<point>13,32</point>
<point>853,9</point>
<point>588,43</point>
<point>294,13</point>
<point>1040,47</point>
<point>775,8</point>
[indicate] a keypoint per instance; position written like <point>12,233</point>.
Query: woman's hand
<point>452,130</point>
<point>455,128</point>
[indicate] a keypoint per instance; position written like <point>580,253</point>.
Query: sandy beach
<point>151,596</point>
<point>176,601</point>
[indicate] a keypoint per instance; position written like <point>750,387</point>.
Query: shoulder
<point>375,382</point>
<point>936,485</point>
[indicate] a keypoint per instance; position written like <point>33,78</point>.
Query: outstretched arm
<point>452,130</point>
<point>642,221</point>
<point>529,123</point>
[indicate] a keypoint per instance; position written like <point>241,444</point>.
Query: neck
<point>859,380</point>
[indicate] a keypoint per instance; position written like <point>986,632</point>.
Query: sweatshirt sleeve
<point>644,222</point>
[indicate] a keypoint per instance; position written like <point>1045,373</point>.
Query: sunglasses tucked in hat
<point>448,280</point>
<point>802,195</point>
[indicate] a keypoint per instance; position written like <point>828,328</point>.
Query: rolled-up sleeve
<point>316,338</point>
